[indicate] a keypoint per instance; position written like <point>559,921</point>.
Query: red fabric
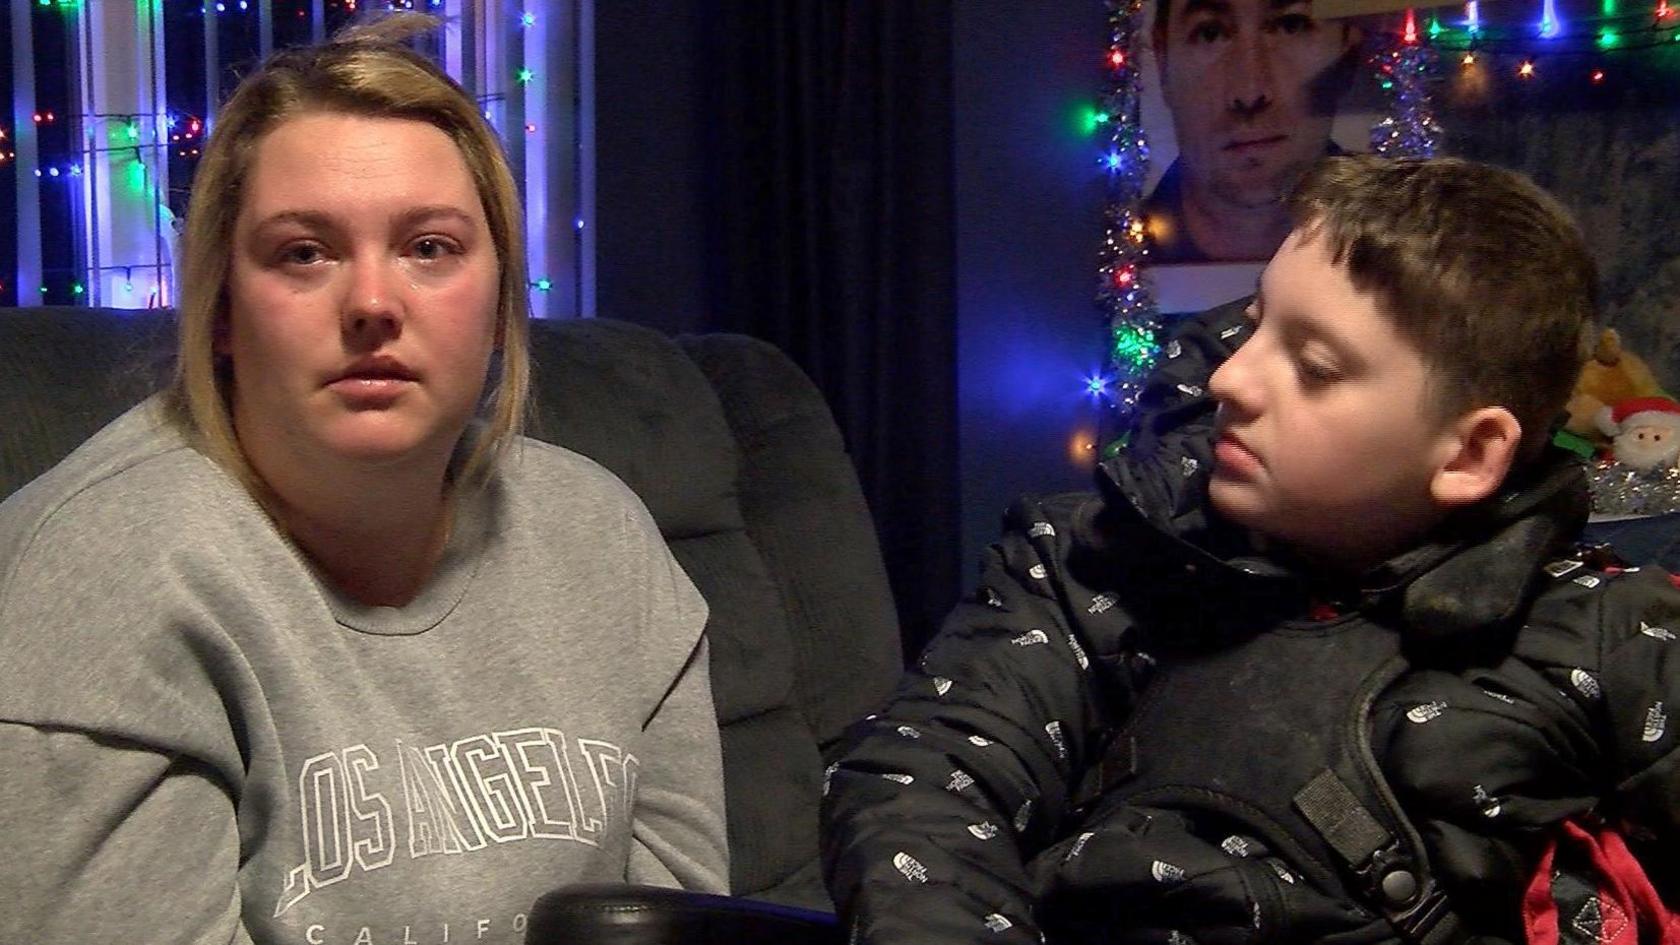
<point>1633,405</point>
<point>1595,857</point>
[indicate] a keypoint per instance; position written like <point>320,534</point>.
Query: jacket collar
<point>1458,594</point>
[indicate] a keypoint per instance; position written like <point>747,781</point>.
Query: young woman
<point>313,647</point>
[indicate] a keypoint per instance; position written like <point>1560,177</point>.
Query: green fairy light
<point>1134,346</point>
<point>1091,119</point>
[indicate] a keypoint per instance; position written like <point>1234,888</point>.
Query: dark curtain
<point>828,130</point>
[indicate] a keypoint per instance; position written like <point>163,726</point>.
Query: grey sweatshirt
<point>201,742</point>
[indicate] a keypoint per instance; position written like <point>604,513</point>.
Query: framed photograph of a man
<point>1239,98</point>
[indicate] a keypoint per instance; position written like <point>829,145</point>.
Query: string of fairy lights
<point>69,145</point>
<point>1406,62</point>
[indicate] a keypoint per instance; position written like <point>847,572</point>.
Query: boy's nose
<point>1230,385</point>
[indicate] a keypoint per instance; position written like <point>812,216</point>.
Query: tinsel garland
<point>1123,292</point>
<point>1404,70</point>
<point>1619,490</point>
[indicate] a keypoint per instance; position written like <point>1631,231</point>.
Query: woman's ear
<point>1479,450</point>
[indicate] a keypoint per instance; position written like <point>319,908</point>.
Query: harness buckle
<point>1417,908</point>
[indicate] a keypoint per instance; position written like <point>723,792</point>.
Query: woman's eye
<point>301,254</point>
<point>432,248</point>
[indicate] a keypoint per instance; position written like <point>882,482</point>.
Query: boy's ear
<point>1479,450</point>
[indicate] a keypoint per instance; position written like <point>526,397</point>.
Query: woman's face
<point>362,296</point>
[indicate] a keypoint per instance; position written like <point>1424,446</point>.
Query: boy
<point>1161,717</point>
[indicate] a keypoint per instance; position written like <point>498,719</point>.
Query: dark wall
<point>1610,151</point>
<point>650,178</point>
<point>784,170</point>
<point>1029,197</point>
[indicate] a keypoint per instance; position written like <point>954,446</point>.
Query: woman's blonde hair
<point>365,71</point>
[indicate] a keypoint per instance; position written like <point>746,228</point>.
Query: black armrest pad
<point>650,915</point>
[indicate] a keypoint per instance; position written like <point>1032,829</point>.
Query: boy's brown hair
<point>1476,265</point>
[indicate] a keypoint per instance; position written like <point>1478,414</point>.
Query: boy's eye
<point>1317,372</point>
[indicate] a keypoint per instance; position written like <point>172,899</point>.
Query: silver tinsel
<point>1624,491</point>
<point>1410,129</point>
<point>1123,292</point>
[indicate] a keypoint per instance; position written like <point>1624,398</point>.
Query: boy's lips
<point>1232,455</point>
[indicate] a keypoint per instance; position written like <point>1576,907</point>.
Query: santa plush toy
<point>1644,431</point>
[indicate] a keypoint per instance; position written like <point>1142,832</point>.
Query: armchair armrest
<point>613,914</point>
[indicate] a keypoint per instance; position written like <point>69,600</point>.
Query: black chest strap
<point>1416,906</point>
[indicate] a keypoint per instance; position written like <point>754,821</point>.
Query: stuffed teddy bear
<point>1644,432</point>
<point>1611,376</point>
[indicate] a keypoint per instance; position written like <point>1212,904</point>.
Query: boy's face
<point>1327,439</point>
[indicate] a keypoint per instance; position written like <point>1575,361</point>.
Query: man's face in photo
<point>1247,83</point>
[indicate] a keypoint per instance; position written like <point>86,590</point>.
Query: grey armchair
<point>735,454</point>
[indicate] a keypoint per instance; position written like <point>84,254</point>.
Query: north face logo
<point>1054,730</point>
<point>1166,872</point>
<point>1023,815</point>
<point>1488,803</point>
<point>984,830</point>
<point>1420,714</point>
<point>1558,569</point>
<point>1078,652</point>
<point>911,867</point>
<point>1656,633</point>
<point>1031,638</point>
<point>1585,684</point>
<point>1078,845</point>
<point>1656,723</point>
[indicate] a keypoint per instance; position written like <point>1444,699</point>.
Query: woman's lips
<point>370,390</point>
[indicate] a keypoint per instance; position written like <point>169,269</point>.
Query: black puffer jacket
<point>1540,689</point>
